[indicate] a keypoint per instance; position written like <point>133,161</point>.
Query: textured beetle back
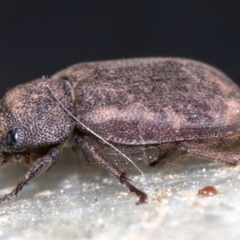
<point>144,101</point>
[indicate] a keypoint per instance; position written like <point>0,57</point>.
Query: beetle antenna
<point>143,180</point>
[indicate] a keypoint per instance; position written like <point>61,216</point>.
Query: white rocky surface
<point>72,202</point>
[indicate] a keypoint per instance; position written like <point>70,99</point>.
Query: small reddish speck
<point>207,191</point>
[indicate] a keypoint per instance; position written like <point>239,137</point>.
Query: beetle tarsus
<point>142,197</point>
<point>8,196</point>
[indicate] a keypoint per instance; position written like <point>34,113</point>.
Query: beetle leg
<point>231,158</point>
<point>151,155</point>
<point>163,155</point>
<point>39,167</point>
<point>120,175</point>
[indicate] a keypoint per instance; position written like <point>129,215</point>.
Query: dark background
<point>41,37</point>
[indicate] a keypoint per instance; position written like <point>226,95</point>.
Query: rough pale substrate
<point>72,202</point>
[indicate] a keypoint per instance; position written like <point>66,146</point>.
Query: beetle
<point>151,109</point>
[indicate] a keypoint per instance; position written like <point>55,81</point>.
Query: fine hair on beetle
<point>143,180</point>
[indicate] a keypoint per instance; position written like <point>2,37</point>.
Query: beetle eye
<point>12,137</point>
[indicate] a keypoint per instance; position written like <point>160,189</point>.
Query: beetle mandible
<point>152,109</point>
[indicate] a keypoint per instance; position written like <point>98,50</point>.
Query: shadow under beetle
<point>153,109</point>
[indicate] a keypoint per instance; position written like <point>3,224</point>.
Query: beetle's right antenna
<point>143,180</point>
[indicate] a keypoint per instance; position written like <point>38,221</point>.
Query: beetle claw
<point>142,197</point>
<point>8,196</point>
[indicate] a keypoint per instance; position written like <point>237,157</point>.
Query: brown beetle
<point>153,109</point>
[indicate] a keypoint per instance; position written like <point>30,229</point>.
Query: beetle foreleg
<point>120,175</point>
<point>41,166</point>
